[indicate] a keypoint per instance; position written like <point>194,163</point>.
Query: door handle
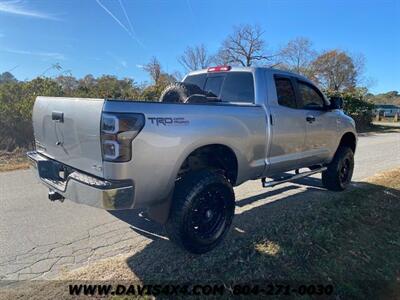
<point>310,119</point>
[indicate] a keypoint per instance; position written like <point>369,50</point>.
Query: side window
<point>285,92</point>
<point>311,98</point>
<point>238,87</point>
<point>213,85</point>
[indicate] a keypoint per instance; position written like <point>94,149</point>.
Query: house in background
<point>387,110</point>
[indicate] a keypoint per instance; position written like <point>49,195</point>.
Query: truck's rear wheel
<point>202,211</point>
<point>338,175</point>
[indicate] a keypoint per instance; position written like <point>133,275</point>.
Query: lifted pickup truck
<point>179,157</point>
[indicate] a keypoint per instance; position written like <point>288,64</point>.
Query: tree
<point>392,97</point>
<point>69,84</point>
<point>56,66</point>
<point>153,67</point>
<point>86,87</point>
<point>106,86</point>
<point>297,56</point>
<point>17,99</point>
<point>7,77</point>
<point>356,105</point>
<point>336,70</point>
<point>244,47</point>
<point>160,80</point>
<point>153,92</point>
<point>16,102</point>
<point>195,58</point>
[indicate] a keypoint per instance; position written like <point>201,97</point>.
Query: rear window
<point>197,80</point>
<point>238,87</point>
<point>228,86</point>
<point>213,85</point>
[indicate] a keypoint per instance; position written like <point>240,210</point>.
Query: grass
<point>15,160</point>
<point>379,128</point>
<point>350,240</point>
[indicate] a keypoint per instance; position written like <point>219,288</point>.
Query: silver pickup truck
<point>180,156</point>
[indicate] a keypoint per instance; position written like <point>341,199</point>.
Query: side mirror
<point>336,103</point>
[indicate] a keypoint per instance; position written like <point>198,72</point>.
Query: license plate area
<point>52,170</point>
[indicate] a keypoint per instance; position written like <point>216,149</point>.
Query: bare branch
<point>195,58</point>
<point>297,56</point>
<point>154,69</point>
<point>244,47</point>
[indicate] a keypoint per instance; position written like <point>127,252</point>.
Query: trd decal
<point>168,121</point>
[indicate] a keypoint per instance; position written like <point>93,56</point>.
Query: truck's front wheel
<point>338,175</point>
<point>202,211</point>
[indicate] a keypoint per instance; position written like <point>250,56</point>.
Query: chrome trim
<point>85,189</point>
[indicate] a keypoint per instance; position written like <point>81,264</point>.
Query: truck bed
<point>171,132</point>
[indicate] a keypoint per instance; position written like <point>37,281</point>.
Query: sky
<point>118,36</point>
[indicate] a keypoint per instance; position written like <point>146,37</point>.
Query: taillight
<point>117,132</point>
<point>219,69</point>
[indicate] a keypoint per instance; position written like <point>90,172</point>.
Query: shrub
<point>17,99</point>
<point>16,102</point>
<point>356,107</point>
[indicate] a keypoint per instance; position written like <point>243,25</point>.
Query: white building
<point>387,110</point>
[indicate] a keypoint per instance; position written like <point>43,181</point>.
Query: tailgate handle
<point>57,116</point>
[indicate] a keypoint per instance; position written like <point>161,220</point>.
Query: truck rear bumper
<point>80,187</point>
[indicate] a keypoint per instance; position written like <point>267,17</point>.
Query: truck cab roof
<point>252,70</point>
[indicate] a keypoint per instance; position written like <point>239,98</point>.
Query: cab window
<point>238,87</point>
<point>228,86</point>
<point>285,92</point>
<point>311,98</point>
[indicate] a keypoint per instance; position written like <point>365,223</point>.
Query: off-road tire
<point>194,198</point>
<point>179,92</point>
<point>339,172</point>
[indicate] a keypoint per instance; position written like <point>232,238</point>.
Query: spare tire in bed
<point>179,92</point>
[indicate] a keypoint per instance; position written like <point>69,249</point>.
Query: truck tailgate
<point>68,130</point>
